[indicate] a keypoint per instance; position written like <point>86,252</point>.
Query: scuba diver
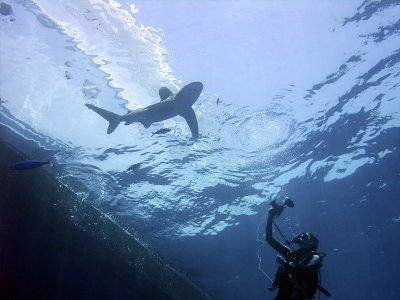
<point>297,277</point>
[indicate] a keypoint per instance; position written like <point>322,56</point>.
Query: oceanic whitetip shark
<point>171,105</point>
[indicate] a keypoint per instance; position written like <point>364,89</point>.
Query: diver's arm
<point>282,249</point>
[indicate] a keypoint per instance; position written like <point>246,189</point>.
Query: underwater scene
<point>253,128</point>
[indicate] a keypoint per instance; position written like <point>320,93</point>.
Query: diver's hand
<point>275,209</point>
<point>272,212</point>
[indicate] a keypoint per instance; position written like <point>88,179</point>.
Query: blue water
<point>331,143</point>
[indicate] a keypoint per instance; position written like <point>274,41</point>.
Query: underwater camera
<point>280,207</point>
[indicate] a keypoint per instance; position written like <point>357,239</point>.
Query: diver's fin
<point>191,119</point>
<point>111,117</point>
<point>164,93</point>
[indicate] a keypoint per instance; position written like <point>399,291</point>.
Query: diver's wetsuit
<point>296,279</point>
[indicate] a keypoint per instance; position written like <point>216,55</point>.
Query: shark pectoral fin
<point>111,117</point>
<point>191,119</point>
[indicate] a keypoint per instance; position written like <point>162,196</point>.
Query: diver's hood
<point>306,240</point>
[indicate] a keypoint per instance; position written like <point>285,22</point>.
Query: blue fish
<point>30,164</point>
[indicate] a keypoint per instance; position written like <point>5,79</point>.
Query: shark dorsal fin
<point>164,93</point>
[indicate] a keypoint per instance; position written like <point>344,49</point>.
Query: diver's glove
<point>272,212</point>
<point>275,210</point>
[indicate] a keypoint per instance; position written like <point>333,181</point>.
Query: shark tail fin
<point>111,117</point>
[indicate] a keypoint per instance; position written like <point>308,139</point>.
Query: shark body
<point>171,105</point>
<point>30,164</point>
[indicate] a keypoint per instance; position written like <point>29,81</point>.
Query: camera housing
<point>278,208</point>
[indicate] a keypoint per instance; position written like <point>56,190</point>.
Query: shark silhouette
<point>171,105</point>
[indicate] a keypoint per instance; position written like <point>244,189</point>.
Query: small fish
<point>133,167</point>
<point>30,164</point>
<point>68,64</point>
<point>161,131</point>
<point>67,75</point>
<point>217,101</point>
